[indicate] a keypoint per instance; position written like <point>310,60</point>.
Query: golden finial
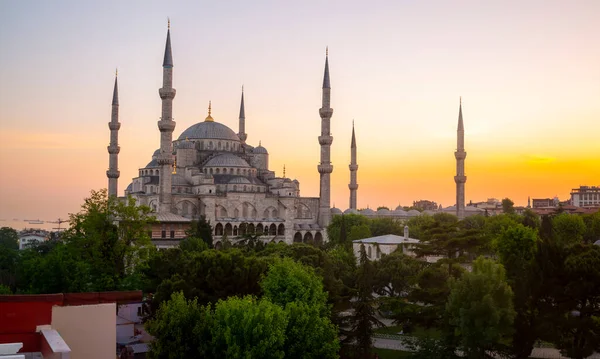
<point>460,100</point>
<point>283,171</point>
<point>168,23</point>
<point>327,51</point>
<point>209,117</point>
<point>186,139</point>
<point>242,88</point>
<point>174,167</point>
<point>259,142</point>
<point>116,71</point>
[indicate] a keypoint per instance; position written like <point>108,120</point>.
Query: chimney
<point>406,233</point>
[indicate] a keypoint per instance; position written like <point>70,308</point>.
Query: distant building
<point>544,202</point>
<point>425,205</point>
<point>29,237</point>
<point>386,244</point>
<point>585,196</point>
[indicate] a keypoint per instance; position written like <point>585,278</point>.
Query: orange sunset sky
<point>528,73</point>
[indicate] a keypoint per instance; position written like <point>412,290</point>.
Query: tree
<point>9,238</point>
<point>350,221</point>
<point>201,229</point>
<point>508,206</point>
<point>297,289</point>
<point>517,248</point>
<point>364,316</point>
<point>359,232</point>
<point>174,328</point>
<point>383,226</point>
<point>568,229</point>
<point>580,324</point>
<point>531,219</point>
<point>592,225</point>
<point>9,256</point>
<point>248,328</point>
<point>480,307</point>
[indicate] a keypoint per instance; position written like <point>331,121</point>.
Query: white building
<point>386,244</point>
<point>585,196</point>
<point>31,237</point>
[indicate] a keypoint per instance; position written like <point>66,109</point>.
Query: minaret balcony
<point>113,149</point>
<point>353,167</point>
<point>460,179</point>
<point>353,186</point>
<point>166,125</point>
<point>165,161</point>
<point>166,93</point>
<point>325,140</point>
<point>114,126</point>
<point>113,173</point>
<point>325,168</point>
<point>325,112</point>
<point>460,155</point>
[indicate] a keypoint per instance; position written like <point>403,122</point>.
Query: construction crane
<point>59,222</point>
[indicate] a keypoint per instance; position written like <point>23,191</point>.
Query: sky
<point>528,73</point>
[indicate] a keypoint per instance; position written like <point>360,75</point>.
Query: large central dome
<point>209,130</point>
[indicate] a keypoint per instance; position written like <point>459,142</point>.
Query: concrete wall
<point>89,330</point>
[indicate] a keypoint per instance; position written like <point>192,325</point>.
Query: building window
<point>172,234</point>
<point>163,234</point>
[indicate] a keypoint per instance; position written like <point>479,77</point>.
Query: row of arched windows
<point>148,172</point>
<point>249,228</point>
<point>230,171</point>
<point>308,238</point>
<point>220,145</point>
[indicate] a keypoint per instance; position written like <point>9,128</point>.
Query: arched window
<point>251,228</point>
<point>274,214</point>
<point>235,188</point>
<point>273,230</point>
<point>245,188</point>
<point>219,229</point>
<point>319,238</point>
<point>308,237</point>
<point>298,237</point>
<point>259,228</point>
<point>235,231</point>
<point>201,145</point>
<point>281,230</point>
<point>219,145</point>
<point>228,229</point>
<point>222,212</point>
<point>217,170</point>
<point>227,145</point>
<point>243,228</point>
<point>218,246</point>
<point>369,251</point>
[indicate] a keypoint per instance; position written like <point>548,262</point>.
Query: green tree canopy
<point>480,306</point>
<point>508,206</point>
<point>568,229</point>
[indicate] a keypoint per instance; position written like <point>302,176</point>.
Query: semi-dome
<point>151,164</point>
<point>209,130</point>
<point>367,212</point>
<point>239,180</point>
<point>226,160</point>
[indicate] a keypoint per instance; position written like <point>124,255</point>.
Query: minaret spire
<point>353,186</point>
<point>166,125</point>
<point>113,148</point>
<point>460,156</point>
<point>242,132</point>
<point>325,167</point>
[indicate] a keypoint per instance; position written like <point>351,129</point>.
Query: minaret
<point>460,156</point>
<point>166,125</point>
<point>113,149</point>
<point>325,168</point>
<point>242,133</point>
<point>353,168</point>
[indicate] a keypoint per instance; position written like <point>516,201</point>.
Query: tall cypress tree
<point>201,229</point>
<point>364,318</point>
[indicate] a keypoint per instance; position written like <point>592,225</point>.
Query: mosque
<point>212,171</point>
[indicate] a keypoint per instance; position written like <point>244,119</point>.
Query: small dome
<point>399,208</point>
<point>152,164</point>
<point>414,213</point>
<point>367,212</point>
<point>336,211</point>
<point>383,211</point>
<point>184,145</point>
<point>226,160</point>
<point>429,212</point>
<point>260,150</point>
<point>400,212</point>
<point>351,211</point>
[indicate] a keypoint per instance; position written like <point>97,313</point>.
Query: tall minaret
<point>242,133</point>
<point>113,149</point>
<point>353,168</point>
<point>460,156</point>
<point>166,125</point>
<point>325,168</point>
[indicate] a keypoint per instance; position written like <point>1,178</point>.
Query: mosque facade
<point>210,170</point>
